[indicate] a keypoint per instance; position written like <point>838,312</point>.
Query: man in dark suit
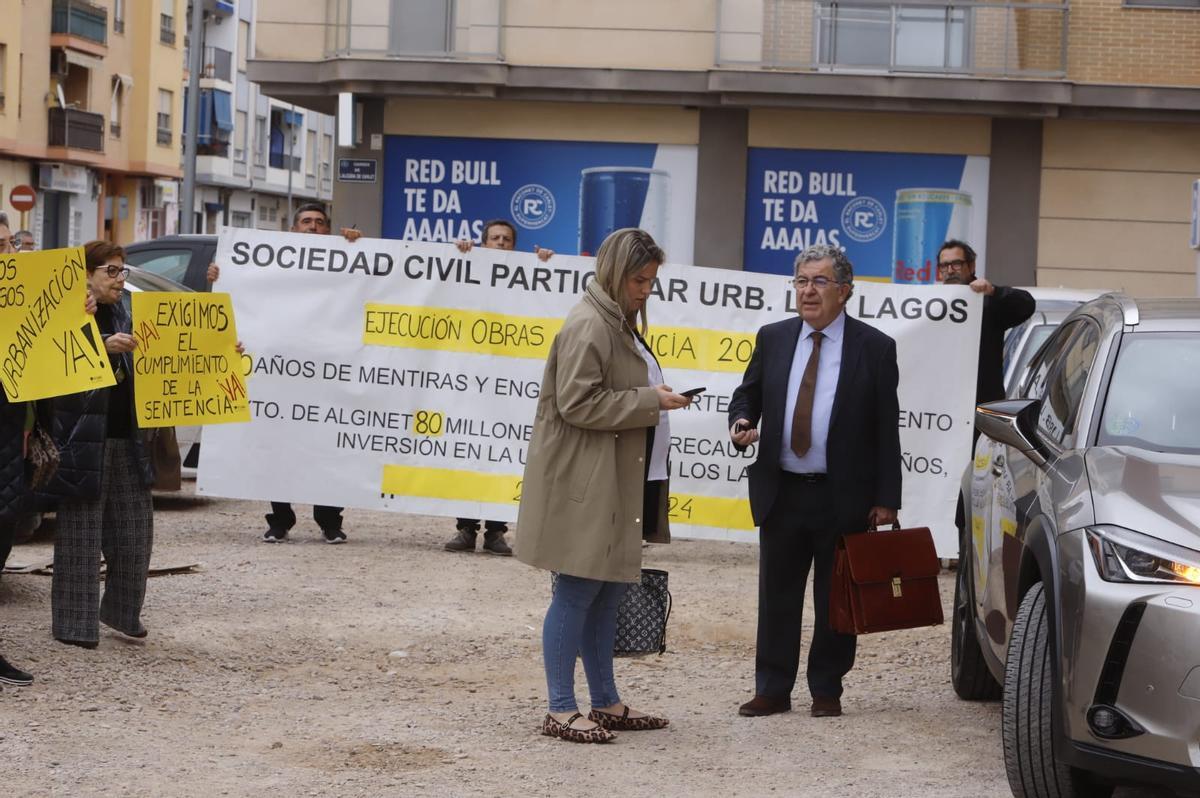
<point>1002,308</point>
<point>823,387</point>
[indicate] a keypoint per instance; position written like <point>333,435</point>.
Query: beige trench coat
<point>581,498</point>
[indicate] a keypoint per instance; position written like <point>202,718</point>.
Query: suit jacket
<point>863,454</point>
<point>1005,308</point>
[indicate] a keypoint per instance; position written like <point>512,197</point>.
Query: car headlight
<point>1123,555</point>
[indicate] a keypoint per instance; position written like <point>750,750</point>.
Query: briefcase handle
<point>895,527</point>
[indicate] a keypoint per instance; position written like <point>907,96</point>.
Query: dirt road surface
<point>389,667</point>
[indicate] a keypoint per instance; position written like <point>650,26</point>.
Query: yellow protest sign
<point>186,369</point>
<point>49,345</point>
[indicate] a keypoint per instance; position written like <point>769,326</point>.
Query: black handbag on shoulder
<point>641,616</point>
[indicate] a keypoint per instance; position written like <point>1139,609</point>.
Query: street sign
<point>356,170</point>
<point>22,198</point>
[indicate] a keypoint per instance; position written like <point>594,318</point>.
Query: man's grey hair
<point>843,269</point>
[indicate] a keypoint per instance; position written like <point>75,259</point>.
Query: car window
<point>1063,392</point>
<point>1012,340</point>
<point>1044,360</point>
<point>1153,394</point>
<point>170,263</point>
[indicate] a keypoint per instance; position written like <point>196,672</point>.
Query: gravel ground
<point>389,667</point>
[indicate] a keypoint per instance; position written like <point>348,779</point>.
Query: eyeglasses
<point>956,265</point>
<point>116,272</point>
<point>818,283</point>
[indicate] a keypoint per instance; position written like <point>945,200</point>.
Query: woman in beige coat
<point>596,482</point>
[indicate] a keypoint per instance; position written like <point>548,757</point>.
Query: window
<point>1063,392</point>
<point>420,26</point>
<point>116,107</point>
<point>326,155</point>
<point>282,150</point>
<point>169,263</point>
<point>166,23</point>
<point>166,101</point>
<point>240,219</point>
<point>118,16</point>
<point>243,44</point>
<point>239,136</point>
<point>869,35</point>
<point>3,72</point>
<point>260,141</point>
<point>1164,3</point>
<point>310,152</point>
<point>1153,394</point>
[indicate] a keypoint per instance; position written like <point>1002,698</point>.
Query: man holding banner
<point>823,387</point>
<point>497,234</point>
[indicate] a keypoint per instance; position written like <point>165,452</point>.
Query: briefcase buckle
<point>897,592</point>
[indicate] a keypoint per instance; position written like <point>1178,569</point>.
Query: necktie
<point>802,417</point>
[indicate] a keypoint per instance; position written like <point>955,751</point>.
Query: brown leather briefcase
<point>884,581</point>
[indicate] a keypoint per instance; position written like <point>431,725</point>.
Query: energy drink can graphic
<point>924,218</point>
<point>612,197</point>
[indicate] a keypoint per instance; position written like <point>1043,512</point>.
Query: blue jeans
<point>582,619</point>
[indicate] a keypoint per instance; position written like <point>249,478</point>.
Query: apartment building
<point>1060,136</point>
<point>253,152</point>
<point>90,117</point>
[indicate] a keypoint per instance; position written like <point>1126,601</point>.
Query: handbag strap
<point>662,646</point>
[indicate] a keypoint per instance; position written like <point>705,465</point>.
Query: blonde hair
<point>623,254</point>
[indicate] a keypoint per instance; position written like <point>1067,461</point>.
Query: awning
<point>222,113</point>
<point>293,118</point>
<point>82,59</point>
<point>204,129</point>
<point>126,81</point>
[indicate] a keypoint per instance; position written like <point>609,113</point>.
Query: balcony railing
<point>76,129</point>
<point>79,18</point>
<point>973,37</point>
<point>166,29</point>
<point>218,64</point>
<point>466,30</point>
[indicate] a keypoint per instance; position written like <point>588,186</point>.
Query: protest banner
<point>186,367</point>
<point>404,375</point>
<point>50,345</point>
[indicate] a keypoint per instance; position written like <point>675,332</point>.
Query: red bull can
<point>924,218</point>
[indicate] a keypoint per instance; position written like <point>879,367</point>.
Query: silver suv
<point>1078,590</point>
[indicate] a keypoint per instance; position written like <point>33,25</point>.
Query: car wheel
<point>1026,726</point>
<point>968,670</point>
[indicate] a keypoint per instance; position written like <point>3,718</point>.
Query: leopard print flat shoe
<point>564,731</point>
<point>623,722</point>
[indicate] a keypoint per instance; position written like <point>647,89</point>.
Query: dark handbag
<point>163,449</point>
<point>641,616</point>
<point>884,581</point>
<point>42,455</point>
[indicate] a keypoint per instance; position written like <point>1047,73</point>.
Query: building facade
<point>1061,138</point>
<point>90,117</point>
<point>253,153</point>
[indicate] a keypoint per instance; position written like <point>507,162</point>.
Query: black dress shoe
<point>826,707</point>
<point>80,643</point>
<point>762,705</point>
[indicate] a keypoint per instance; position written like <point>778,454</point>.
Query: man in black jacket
<point>823,387</point>
<point>1002,308</point>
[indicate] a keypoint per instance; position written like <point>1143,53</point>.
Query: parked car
<point>181,258</point>
<point>1078,591</point>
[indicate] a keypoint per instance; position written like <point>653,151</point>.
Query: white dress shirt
<point>828,368</point>
<point>662,433</point>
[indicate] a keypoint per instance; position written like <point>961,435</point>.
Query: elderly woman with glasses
<point>103,481</point>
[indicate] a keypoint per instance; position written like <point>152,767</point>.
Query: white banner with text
<point>404,376</point>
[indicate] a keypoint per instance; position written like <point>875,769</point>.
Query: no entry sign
<point>22,198</point>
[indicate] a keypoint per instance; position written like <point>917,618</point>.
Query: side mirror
<point>1013,422</point>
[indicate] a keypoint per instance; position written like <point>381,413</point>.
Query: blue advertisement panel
<point>889,211</point>
<point>562,195</point>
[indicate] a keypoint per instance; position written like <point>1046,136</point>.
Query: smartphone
<point>694,392</point>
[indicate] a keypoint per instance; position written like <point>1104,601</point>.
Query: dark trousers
<point>799,535</point>
<point>8,536</point>
<point>283,517</point>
